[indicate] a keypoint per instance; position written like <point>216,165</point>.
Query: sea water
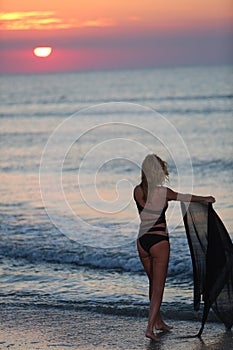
<point>71,147</point>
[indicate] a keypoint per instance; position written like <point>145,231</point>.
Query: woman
<point>153,242</point>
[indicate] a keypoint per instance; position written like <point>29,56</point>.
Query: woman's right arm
<point>186,197</point>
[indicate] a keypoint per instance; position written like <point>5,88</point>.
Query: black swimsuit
<point>150,239</point>
<point>147,240</point>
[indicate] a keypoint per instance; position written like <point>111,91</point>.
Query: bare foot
<point>152,336</point>
<point>162,326</point>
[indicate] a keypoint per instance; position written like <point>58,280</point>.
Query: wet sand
<point>39,328</point>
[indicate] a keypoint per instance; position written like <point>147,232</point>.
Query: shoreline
<point>29,328</point>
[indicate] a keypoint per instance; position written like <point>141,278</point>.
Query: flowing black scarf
<point>211,250</point>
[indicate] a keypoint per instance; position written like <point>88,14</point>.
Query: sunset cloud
<point>103,22</point>
<point>110,34</point>
<point>29,20</point>
<point>11,16</point>
<point>44,20</point>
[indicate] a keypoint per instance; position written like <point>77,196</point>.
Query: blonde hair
<point>154,173</point>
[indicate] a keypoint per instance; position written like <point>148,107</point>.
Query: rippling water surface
<point>94,263</point>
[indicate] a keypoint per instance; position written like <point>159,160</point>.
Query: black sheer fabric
<point>211,250</point>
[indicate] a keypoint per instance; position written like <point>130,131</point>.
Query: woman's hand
<point>209,199</point>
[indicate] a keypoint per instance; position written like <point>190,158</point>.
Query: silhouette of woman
<point>152,199</point>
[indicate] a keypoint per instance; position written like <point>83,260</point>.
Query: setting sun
<point>103,34</point>
<point>42,51</point>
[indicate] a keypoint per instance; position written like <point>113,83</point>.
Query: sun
<point>42,51</point>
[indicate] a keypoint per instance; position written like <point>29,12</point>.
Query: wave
<point>171,310</point>
<point>43,245</point>
<point>65,100</point>
<point>220,164</point>
<point>166,111</point>
<point>124,166</point>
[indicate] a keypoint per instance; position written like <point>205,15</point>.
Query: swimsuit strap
<point>160,220</point>
<point>141,208</point>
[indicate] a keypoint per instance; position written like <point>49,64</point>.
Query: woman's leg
<point>146,261</point>
<point>160,257</point>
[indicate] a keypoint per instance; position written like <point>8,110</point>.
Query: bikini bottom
<point>150,239</point>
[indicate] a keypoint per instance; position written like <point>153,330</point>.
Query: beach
<point>32,328</point>
<point>72,146</point>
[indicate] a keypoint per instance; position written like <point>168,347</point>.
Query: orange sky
<point>108,28</point>
<point>44,14</point>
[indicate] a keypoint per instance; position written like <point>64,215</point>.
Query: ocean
<point>71,149</point>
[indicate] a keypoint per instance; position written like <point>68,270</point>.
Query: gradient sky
<point>105,34</point>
